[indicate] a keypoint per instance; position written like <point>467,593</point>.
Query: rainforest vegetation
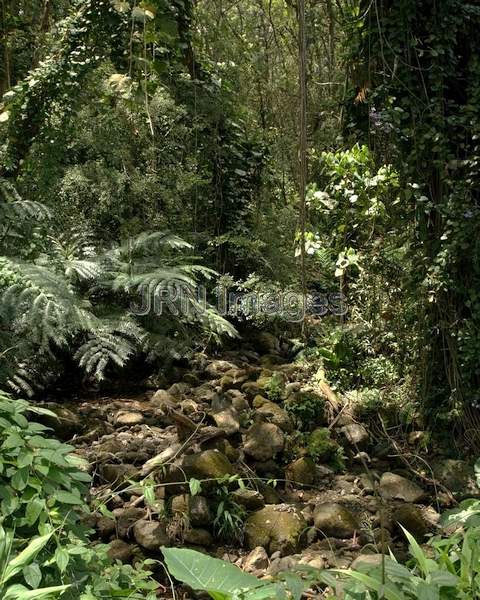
<point>239,299</point>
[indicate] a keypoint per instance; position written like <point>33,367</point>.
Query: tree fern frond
<point>44,278</point>
<point>83,269</point>
<point>199,270</point>
<point>152,242</point>
<point>29,209</point>
<point>152,280</point>
<point>8,192</point>
<point>116,342</point>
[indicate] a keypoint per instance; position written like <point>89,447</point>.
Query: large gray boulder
<point>334,520</point>
<point>209,464</point>
<point>151,535</point>
<point>396,487</point>
<point>277,528</point>
<point>355,434</point>
<point>263,441</point>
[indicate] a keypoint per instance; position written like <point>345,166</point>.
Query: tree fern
<point>74,298</point>
<point>113,342</point>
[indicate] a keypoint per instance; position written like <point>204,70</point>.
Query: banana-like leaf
<point>200,572</point>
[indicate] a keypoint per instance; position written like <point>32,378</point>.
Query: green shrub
<point>275,387</point>
<point>321,448</point>
<point>40,483</point>
<point>318,446</point>
<point>229,522</point>
<point>307,409</point>
<point>42,491</point>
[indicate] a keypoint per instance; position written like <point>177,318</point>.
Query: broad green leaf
<point>25,557</point>
<point>20,593</point>
<point>25,458</point>
<point>444,579</point>
<point>20,479</point>
<point>417,552</point>
<point>202,572</point>
<point>427,591</point>
<point>68,498</point>
<point>62,559</point>
<point>195,486</point>
<point>32,575</point>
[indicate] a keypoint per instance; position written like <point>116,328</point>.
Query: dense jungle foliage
<point>152,212</point>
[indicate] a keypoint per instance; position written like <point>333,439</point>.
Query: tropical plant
<point>224,581</point>
<point>229,522</point>
<point>77,299</point>
<point>22,566</point>
<point>43,540</point>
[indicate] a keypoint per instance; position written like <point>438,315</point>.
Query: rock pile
<point>238,453</point>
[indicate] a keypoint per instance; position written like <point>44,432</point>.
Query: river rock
<point>227,420</point>
<point>224,446</point>
<point>396,487</point>
<point>105,527</point>
<point>163,400</point>
<point>301,471</point>
<point>283,564</point>
<point>251,389</point>
<point>457,476</point>
<point>209,464</point>
<point>198,537</point>
<point>195,507</point>
<point>120,550</point>
<point>278,527</point>
<point>65,423</point>
<point>112,473</point>
<point>274,414</point>
<point>355,434</point>
<point>178,390</point>
<point>237,377</point>
<point>218,367</point>
<point>238,400</point>
<point>128,418</point>
<point>334,520</point>
<point>257,560</point>
<point>126,519</point>
<point>263,441</point>
<point>150,534</point>
<point>367,562</point>
<point>249,499</point>
<point>411,518</point>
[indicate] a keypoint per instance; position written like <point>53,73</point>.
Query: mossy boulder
<point>320,446</point>
<point>396,487</point>
<point>209,464</point>
<point>263,441</point>
<point>301,471</point>
<point>411,518</point>
<point>277,528</point>
<point>271,412</point>
<point>334,520</point>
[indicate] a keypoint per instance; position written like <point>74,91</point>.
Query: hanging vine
<point>415,73</point>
